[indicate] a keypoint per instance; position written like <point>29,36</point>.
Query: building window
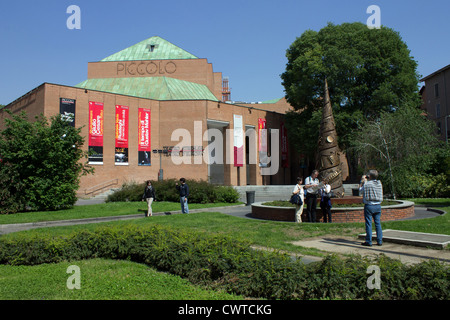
<point>436,90</point>
<point>151,47</point>
<point>438,110</point>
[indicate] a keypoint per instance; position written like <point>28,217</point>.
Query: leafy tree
<point>301,127</point>
<point>404,146</point>
<point>40,164</point>
<point>369,71</point>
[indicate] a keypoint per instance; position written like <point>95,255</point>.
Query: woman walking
<point>150,196</point>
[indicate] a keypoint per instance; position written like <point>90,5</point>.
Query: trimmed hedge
<point>199,192</point>
<point>222,262</point>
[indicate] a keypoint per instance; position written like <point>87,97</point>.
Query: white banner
<point>238,134</point>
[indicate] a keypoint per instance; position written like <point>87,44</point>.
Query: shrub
<point>199,192</point>
<point>438,188</point>
<point>226,194</point>
<point>41,163</point>
<point>423,186</point>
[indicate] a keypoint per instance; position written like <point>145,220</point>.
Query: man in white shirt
<point>311,186</point>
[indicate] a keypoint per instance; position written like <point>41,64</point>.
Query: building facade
<point>155,111</point>
<point>436,103</point>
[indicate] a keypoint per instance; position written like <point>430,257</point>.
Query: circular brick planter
<point>402,210</point>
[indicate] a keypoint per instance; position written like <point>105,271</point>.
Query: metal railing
<point>101,186</point>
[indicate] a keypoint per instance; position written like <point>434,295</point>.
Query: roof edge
<point>157,42</point>
<point>171,94</point>
<point>435,73</point>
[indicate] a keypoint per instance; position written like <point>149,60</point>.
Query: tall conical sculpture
<point>330,168</point>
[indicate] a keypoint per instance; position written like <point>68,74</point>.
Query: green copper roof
<point>272,100</point>
<point>154,48</point>
<point>157,88</point>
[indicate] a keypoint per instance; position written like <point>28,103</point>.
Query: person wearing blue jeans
<point>372,191</point>
<point>183,189</point>
<point>373,211</point>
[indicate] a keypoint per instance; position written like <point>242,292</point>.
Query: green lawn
<point>440,224</point>
<point>104,279</point>
<point>272,234</point>
<point>99,280</point>
<point>101,210</point>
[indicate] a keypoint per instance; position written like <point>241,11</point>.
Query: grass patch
<point>116,284</point>
<point>272,234</point>
<point>439,202</point>
<point>217,262</point>
<point>101,279</point>
<point>102,210</point>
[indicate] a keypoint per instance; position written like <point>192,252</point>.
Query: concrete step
<point>407,254</point>
<point>419,239</point>
<point>281,192</point>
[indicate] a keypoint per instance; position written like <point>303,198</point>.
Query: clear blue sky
<point>246,40</point>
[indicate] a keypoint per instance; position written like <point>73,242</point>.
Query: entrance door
<point>216,169</point>
<point>250,154</point>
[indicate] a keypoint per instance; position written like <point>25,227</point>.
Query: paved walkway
<point>398,249</point>
<point>407,254</point>
<point>408,247</point>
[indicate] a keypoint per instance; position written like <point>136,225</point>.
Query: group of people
<point>370,187</point>
<point>309,194</point>
<point>150,196</point>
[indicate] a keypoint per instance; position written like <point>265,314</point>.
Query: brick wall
<point>337,215</point>
<point>166,117</point>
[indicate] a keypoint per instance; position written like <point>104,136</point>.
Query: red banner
<point>95,124</point>
<point>121,154</point>
<point>144,138</point>
<point>121,127</point>
<point>262,134</point>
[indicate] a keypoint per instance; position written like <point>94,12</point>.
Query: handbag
<point>296,199</point>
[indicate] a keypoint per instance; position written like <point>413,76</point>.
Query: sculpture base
<point>402,210</point>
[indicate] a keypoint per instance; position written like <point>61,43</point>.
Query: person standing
<point>183,189</point>
<point>298,189</point>
<point>311,186</point>
<point>372,191</point>
<point>325,202</point>
<point>150,196</point>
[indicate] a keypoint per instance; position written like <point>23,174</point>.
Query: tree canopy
<point>405,154</point>
<point>40,164</point>
<point>369,71</point>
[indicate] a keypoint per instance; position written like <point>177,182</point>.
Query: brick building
<point>146,112</point>
<point>435,100</point>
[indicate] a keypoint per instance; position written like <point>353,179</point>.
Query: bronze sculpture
<point>330,167</point>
